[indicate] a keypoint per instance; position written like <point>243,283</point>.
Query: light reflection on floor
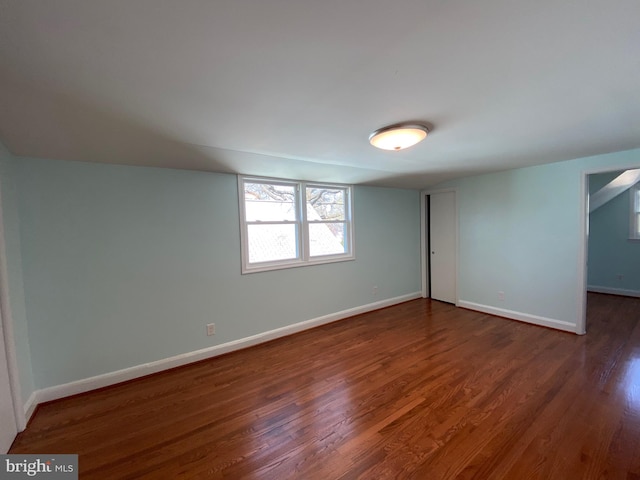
<point>631,384</point>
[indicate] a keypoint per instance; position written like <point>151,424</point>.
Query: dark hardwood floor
<point>421,390</point>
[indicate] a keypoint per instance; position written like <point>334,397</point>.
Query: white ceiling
<point>292,88</point>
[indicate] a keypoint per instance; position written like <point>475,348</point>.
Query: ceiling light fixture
<point>399,136</point>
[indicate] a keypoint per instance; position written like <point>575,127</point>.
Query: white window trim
<point>634,212</point>
<point>304,258</point>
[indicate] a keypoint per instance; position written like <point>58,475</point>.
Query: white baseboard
<point>111,378</point>
<point>30,405</point>
<point>613,291</point>
<point>522,317</point>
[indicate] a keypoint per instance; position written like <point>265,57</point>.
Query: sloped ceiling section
<point>292,88</point>
<point>615,187</point>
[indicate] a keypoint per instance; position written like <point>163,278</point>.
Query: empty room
<point>319,240</point>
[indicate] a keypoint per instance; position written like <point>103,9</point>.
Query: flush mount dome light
<point>398,137</point>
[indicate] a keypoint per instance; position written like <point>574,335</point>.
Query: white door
<point>442,255</point>
<point>8,428</point>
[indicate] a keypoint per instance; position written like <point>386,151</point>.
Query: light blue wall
<point>13,252</point>
<point>520,233</point>
<point>611,253</point>
<point>125,265</point>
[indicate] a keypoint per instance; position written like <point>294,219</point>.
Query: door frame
<point>6,319</point>
<point>583,248</point>
<point>424,225</point>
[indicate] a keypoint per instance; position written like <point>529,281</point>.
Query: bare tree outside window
<point>326,217</point>
<point>273,231</point>
<point>294,222</point>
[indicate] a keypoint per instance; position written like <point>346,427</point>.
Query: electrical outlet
<point>374,290</point>
<point>211,329</point>
<point>501,296</point>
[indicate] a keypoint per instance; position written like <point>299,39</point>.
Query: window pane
<point>325,203</point>
<point>272,242</point>
<point>327,239</point>
<point>267,202</point>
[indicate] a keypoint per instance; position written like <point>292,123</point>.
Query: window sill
<point>266,267</point>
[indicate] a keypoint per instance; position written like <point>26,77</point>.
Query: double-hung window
<point>635,212</point>
<point>287,223</point>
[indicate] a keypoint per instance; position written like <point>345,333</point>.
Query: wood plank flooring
<point>421,390</point>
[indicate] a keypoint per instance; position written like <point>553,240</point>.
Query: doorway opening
<point>611,255</point>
